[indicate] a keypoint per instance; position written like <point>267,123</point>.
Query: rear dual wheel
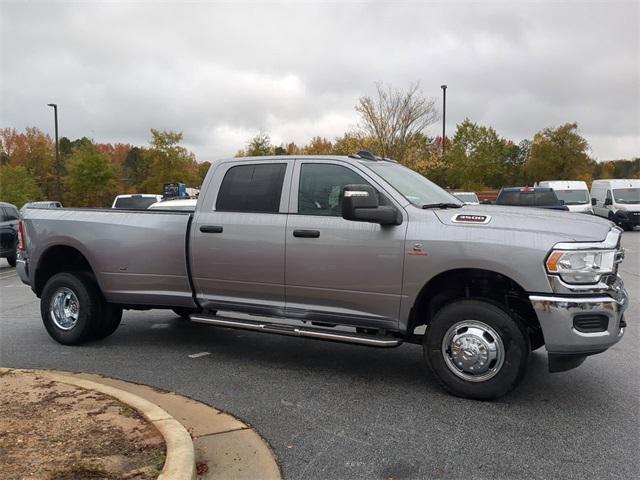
<point>74,311</point>
<point>476,349</point>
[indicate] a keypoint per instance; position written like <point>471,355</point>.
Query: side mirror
<point>562,202</point>
<point>360,204</point>
<point>593,201</point>
<point>608,201</point>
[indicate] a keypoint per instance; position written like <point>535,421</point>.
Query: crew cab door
<point>237,240</point>
<point>339,271</point>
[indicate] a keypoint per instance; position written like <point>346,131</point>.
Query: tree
<point>318,146</point>
<point>203,168</point>
<point>168,161</point>
<point>477,157</point>
<point>135,169</point>
<point>559,154</point>
<point>351,143</point>
<point>90,179</point>
<point>394,117</point>
<point>258,146</point>
<point>36,152</point>
<point>17,186</point>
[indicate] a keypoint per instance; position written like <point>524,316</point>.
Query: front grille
<point>590,323</point>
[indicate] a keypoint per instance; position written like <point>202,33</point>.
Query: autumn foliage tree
<point>559,153</point>
<point>91,178</point>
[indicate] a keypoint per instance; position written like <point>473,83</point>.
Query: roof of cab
<point>565,184</point>
<point>362,155</point>
<point>618,182</point>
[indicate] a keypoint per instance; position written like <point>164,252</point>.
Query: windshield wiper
<point>441,205</point>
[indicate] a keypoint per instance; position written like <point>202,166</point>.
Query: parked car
<point>41,204</point>
<point>530,197</point>
<point>353,249</point>
<point>9,217</point>
<point>469,198</point>
<point>188,204</point>
<point>617,200</point>
<point>573,193</point>
<point>138,201</point>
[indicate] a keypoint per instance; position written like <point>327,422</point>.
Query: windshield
<point>411,185</point>
<point>573,197</point>
<point>134,203</point>
<point>467,197</point>
<point>627,195</point>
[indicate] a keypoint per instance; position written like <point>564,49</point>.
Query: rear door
<point>237,240</point>
<point>339,271</point>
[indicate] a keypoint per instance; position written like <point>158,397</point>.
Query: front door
<point>339,271</point>
<point>237,240</point>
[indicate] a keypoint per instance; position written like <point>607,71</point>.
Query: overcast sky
<point>219,72</point>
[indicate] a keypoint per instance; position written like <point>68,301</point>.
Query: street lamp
<point>444,114</point>
<point>55,116</point>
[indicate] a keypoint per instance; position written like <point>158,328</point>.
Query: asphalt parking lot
<point>342,411</point>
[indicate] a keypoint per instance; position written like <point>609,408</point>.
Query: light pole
<point>55,116</point>
<point>444,115</point>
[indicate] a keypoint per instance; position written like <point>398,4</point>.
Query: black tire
<point>12,260</point>
<point>89,301</point>
<point>512,334</point>
<point>109,316</point>
<point>536,338</point>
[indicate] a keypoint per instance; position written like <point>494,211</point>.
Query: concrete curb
<point>180,458</point>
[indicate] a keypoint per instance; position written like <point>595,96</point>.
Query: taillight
<point>22,244</point>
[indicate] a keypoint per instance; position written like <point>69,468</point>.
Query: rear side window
<point>252,188</point>
<point>527,199</point>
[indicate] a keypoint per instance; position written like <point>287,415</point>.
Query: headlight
<point>581,266</point>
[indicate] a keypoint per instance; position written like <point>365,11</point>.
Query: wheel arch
<point>476,283</point>
<point>57,259</point>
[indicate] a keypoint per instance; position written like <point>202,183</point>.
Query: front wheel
<point>476,349</point>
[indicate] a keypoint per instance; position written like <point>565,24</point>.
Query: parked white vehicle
<point>188,204</point>
<point>137,201</point>
<point>574,194</point>
<point>469,198</point>
<point>617,200</point>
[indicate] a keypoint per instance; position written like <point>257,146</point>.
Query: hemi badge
<point>476,219</point>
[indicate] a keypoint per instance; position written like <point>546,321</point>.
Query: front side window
<point>252,188</point>
<point>321,186</point>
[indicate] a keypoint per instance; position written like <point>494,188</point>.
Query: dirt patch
<point>54,431</point>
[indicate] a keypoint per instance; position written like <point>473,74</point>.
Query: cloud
<point>219,72</point>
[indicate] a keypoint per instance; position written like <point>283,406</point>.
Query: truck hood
<point>568,226</point>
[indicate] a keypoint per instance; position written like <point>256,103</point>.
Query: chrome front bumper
<point>557,315</point>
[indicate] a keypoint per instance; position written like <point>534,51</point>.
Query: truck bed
<point>138,257</point>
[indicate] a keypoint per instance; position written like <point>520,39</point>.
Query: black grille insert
<point>590,323</point>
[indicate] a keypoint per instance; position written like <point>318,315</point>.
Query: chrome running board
<point>297,331</point>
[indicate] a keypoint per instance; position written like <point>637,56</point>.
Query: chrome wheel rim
<point>473,351</point>
<point>65,308</point>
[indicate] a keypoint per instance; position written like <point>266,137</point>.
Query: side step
<point>296,331</point>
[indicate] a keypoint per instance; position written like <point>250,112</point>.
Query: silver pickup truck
<point>351,249</point>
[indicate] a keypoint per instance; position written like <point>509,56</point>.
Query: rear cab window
<point>252,188</point>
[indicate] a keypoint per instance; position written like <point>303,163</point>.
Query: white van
<point>617,200</point>
<point>573,193</point>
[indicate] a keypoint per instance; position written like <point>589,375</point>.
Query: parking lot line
<point>200,354</point>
